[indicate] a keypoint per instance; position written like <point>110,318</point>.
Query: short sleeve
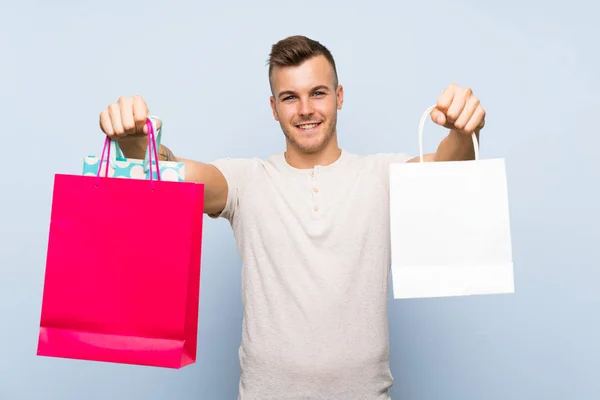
<point>382,161</point>
<point>237,172</point>
<point>394,158</point>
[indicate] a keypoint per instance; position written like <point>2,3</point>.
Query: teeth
<point>306,127</point>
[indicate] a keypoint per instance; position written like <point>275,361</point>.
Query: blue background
<point>201,67</point>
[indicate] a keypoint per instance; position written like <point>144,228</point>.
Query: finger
<point>140,114</point>
<point>438,117</point>
<point>458,104</point>
<point>477,121</point>
<point>445,99</point>
<point>115,119</point>
<point>467,113</point>
<point>106,124</point>
<point>126,111</point>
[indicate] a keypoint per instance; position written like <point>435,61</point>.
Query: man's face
<point>305,102</point>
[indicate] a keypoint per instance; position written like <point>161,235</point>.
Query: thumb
<point>438,117</point>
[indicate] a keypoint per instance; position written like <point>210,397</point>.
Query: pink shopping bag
<point>122,276</point>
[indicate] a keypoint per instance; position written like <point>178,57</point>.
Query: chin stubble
<point>290,138</point>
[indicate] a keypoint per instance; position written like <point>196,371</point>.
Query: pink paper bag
<point>122,276</point>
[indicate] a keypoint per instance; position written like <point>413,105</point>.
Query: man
<point>312,229</point>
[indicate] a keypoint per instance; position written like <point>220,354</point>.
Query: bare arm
<point>455,147</point>
<point>215,185</point>
<point>125,121</point>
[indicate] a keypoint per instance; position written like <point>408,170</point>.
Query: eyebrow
<point>290,92</point>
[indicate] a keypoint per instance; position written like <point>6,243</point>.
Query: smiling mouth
<point>308,127</point>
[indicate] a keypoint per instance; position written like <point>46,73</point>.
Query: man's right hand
<point>125,121</point>
<point>125,118</point>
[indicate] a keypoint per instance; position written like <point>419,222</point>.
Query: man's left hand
<point>458,109</point>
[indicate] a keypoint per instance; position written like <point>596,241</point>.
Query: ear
<point>274,108</point>
<point>339,94</point>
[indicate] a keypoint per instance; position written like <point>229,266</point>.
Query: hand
<point>127,117</point>
<point>458,109</point>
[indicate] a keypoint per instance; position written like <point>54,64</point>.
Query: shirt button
<point>315,190</point>
<point>316,209</point>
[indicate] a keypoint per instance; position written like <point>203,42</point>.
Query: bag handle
<point>422,124</point>
<point>151,151</point>
<point>116,151</point>
<point>152,147</point>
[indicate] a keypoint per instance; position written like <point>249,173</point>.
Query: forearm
<point>195,171</point>
<point>215,185</point>
<point>165,154</point>
<point>457,146</point>
<point>135,147</point>
<point>215,190</point>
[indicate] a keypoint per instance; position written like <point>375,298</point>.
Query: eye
<point>319,93</point>
<point>287,98</point>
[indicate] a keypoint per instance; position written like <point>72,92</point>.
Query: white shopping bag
<point>450,229</point>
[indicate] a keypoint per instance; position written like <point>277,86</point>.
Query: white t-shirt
<point>315,250</point>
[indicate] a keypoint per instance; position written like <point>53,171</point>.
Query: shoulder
<point>237,162</point>
<point>377,160</point>
<point>237,171</point>
<point>274,161</point>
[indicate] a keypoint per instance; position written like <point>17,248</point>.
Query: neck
<point>326,156</point>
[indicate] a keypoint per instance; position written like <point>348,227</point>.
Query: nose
<point>305,107</point>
